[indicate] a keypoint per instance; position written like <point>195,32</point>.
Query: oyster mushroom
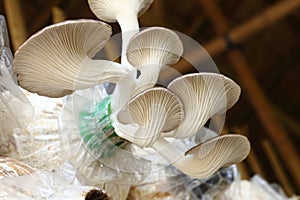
<point>58,59</point>
<point>202,95</point>
<point>149,51</point>
<point>148,114</point>
<point>204,159</point>
<point>157,112</point>
<point>125,12</point>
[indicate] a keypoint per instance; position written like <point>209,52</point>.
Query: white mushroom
<point>151,112</point>
<point>202,95</point>
<point>149,51</point>
<point>57,60</point>
<point>125,12</point>
<point>204,159</point>
<point>123,91</point>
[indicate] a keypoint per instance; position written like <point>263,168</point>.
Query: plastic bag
<point>255,188</point>
<point>47,185</point>
<point>182,186</point>
<point>82,140</point>
<point>15,109</point>
<point>170,183</point>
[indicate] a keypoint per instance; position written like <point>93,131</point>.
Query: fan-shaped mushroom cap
<point>57,60</point>
<point>204,159</point>
<point>108,10</point>
<point>203,95</point>
<point>151,49</point>
<point>216,153</point>
<point>126,12</point>
<point>154,111</point>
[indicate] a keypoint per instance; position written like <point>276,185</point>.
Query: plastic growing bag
<point>38,144</point>
<point>88,141</point>
<point>47,185</point>
<point>15,109</point>
<point>255,188</point>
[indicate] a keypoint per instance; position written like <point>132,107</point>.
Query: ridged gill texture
<point>203,95</point>
<point>214,154</point>
<point>50,61</point>
<point>150,50</point>
<point>155,110</point>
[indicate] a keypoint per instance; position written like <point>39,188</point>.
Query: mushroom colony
<point>58,61</point>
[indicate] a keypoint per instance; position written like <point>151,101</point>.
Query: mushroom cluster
<point>58,60</point>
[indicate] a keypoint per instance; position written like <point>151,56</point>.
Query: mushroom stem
<point>167,150</point>
<point>93,72</point>
<point>129,24</point>
<point>123,91</point>
<point>187,164</point>
<point>147,79</point>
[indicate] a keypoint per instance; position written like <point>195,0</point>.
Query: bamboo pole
<point>252,158</point>
<point>256,96</point>
<point>58,14</point>
<point>40,21</point>
<point>16,23</point>
<point>289,122</point>
<point>247,29</point>
<point>243,171</point>
<point>278,168</point>
<point>44,17</point>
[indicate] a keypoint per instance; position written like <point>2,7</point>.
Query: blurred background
<point>254,42</point>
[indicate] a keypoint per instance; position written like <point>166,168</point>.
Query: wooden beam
<point>256,96</point>
<point>58,15</point>
<point>44,17</point>
<point>243,171</point>
<point>40,21</point>
<point>239,34</point>
<point>278,168</point>
<point>16,22</point>
<point>289,122</point>
<point>252,159</point>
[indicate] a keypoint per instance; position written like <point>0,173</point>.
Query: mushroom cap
<point>218,152</point>
<point>203,95</point>
<point>107,10</point>
<point>149,51</point>
<point>52,57</point>
<point>155,110</point>
<point>154,46</point>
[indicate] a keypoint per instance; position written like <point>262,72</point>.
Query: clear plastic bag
<point>38,144</point>
<point>47,185</point>
<point>169,183</point>
<point>181,186</point>
<point>90,144</point>
<point>15,109</point>
<point>255,188</point>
